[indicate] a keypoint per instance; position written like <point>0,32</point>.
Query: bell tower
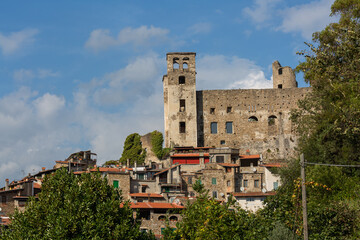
<point>180,100</point>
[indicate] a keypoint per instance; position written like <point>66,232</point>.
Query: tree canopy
<point>157,141</point>
<point>75,207</point>
<point>133,150</point>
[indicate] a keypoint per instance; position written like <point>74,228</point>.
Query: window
<point>192,194</point>
<point>189,180</point>
<point>213,127</point>
<point>116,184</point>
<point>222,142</point>
<point>212,110</point>
<point>143,189</point>
<point>271,120</point>
<point>181,79</point>
<point>280,71</point>
<point>182,127</point>
<point>253,119</point>
<point>185,65</point>
<point>162,218</point>
<point>220,159</point>
<point>228,170</point>
<point>182,105</point>
<point>228,183</point>
<point>175,63</point>
<point>280,86</point>
<point>214,194</point>
<point>245,183</point>
<point>229,127</point>
<point>229,109</point>
<point>276,185</point>
<point>250,199</point>
<point>213,181</point>
<point>256,183</point>
<point>173,218</point>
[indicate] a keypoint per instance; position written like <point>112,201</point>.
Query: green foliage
<point>133,150</point>
<point>281,232</point>
<point>111,162</point>
<point>157,141</point>
<point>75,207</point>
<point>329,117</point>
<point>208,218</point>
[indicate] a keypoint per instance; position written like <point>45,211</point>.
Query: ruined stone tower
<point>283,77</point>
<point>180,100</point>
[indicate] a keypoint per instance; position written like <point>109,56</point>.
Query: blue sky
<point>79,75</point>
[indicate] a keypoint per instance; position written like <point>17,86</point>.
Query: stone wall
<point>124,182</point>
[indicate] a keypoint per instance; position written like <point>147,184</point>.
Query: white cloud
<point>48,105</point>
<point>221,72</point>
<point>262,11</point>
<point>14,41</point>
<point>23,75</point>
<point>199,28</point>
<point>306,18</point>
<point>100,39</point>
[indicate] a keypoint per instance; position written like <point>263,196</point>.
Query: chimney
<point>6,184</point>
<point>43,168</point>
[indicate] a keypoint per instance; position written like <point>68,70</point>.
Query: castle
<point>252,120</point>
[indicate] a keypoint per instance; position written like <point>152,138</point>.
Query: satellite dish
<point>263,190</point>
<point>221,194</point>
<point>242,189</point>
<point>254,169</point>
<point>264,184</point>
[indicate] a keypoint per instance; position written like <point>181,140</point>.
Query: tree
<point>329,117</point>
<point>133,150</point>
<point>157,140</point>
<point>75,207</point>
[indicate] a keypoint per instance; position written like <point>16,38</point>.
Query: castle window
<point>256,183</point>
<point>212,110</point>
<point>245,183</point>
<point>173,218</point>
<point>213,181</point>
<point>182,127</point>
<point>182,105</point>
<point>220,159</point>
<point>280,86</point>
<point>222,142</point>
<point>280,71</point>
<point>272,120</point>
<point>229,109</point>
<point>116,184</point>
<point>213,127</point>
<point>181,79</point>
<point>175,63</point>
<point>228,183</point>
<point>229,127</point>
<point>253,119</point>
<point>185,65</point>
<point>214,194</point>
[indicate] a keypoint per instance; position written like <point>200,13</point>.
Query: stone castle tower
<point>255,120</point>
<point>180,100</point>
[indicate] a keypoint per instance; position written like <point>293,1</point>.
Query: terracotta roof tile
<point>166,169</point>
<point>152,205</point>
<point>257,156</point>
<point>153,195</point>
<point>36,185</point>
<point>189,155</point>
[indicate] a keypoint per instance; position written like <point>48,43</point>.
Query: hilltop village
<point>232,141</point>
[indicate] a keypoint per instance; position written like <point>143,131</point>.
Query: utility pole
<point>303,191</point>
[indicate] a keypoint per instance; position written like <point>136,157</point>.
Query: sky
<point>82,75</point>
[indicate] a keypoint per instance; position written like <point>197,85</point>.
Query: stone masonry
<point>257,120</point>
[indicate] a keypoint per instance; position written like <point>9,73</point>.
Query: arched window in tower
<point>176,63</point>
<point>272,120</point>
<point>253,119</point>
<point>280,71</point>
<point>181,79</point>
<point>185,66</point>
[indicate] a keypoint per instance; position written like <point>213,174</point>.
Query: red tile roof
<point>257,156</point>
<point>253,194</point>
<point>5,221</point>
<point>189,155</point>
<point>152,205</point>
<point>229,164</point>
<point>153,195</point>
<point>36,185</point>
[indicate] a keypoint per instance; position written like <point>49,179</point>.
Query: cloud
<point>261,12</point>
<point>16,40</point>
<point>48,105</point>
<point>221,72</point>
<point>23,75</point>
<point>100,39</point>
<point>200,28</point>
<point>306,18</point>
